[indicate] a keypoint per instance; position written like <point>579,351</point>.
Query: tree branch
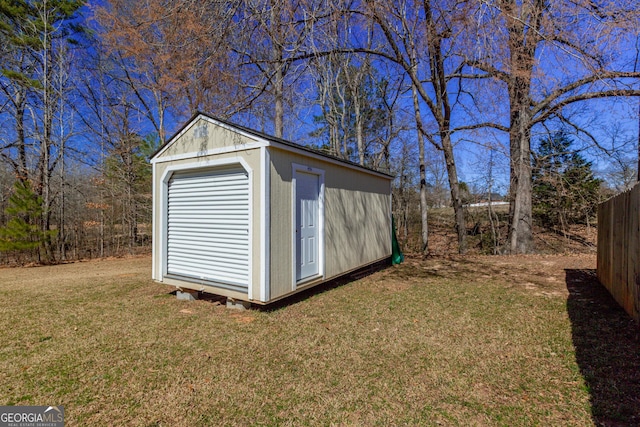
<point>481,126</point>
<point>545,114</point>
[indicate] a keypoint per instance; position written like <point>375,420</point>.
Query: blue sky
<point>614,123</point>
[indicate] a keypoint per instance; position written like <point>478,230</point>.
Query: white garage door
<point>208,227</point>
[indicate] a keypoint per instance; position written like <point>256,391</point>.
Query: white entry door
<point>307,225</point>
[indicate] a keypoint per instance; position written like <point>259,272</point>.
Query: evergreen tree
<point>564,188</point>
<point>22,232</point>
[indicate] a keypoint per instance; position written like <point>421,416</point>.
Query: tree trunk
<point>335,141</point>
<point>279,74</point>
<point>46,188</point>
<point>101,229</point>
<point>520,214</point>
<point>423,201</point>
<point>279,103</point>
<point>23,172</point>
<point>492,222</point>
<point>456,201</point>
<point>523,38</point>
<point>44,178</point>
<point>130,208</point>
<point>423,177</point>
<point>61,229</point>
<point>441,110</point>
<point>359,136</point>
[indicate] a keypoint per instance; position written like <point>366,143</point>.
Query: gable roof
<point>272,140</point>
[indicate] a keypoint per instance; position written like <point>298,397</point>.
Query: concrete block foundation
<point>187,295</point>
<point>237,304</point>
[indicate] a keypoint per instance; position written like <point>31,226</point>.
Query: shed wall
<point>357,215</point>
<point>210,140</point>
<point>357,208</point>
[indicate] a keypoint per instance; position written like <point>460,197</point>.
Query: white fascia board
<point>265,225</point>
<point>331,160</point>
<point>214,151</point>
<point>154,224</point>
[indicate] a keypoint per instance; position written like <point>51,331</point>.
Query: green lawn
<point>481,341</point>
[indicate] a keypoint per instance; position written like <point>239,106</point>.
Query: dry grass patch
<point>476,341</point>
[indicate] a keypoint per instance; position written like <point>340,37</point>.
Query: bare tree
<point>35,36</point>
<point>166,69</point>
<point>418,37</point>
<point>332,99</point>
<point>271,43</point>
<point>114,123</point>
<point>549,56</point>
<point>404,195</point>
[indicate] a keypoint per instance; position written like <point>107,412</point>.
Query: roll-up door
<point>208,227</point>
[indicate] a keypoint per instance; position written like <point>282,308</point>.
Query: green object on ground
<point>396,253</point>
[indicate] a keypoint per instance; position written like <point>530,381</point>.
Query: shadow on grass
<point>326,286</point>
<point>302,295</point>
<point>607,345</point>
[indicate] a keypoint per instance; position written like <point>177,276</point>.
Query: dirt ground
<point>537,273</point>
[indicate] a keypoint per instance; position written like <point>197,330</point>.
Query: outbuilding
<point>256,218</point>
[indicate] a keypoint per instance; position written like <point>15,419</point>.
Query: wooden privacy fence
<point>618,248</point>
